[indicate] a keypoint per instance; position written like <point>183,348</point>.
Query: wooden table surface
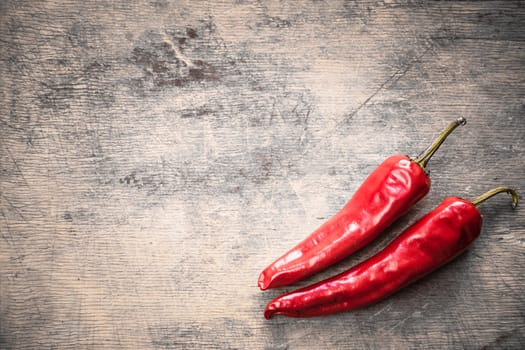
<point>156,155</point>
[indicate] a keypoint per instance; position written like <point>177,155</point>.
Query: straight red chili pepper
<point>434,240</point>
<point>388,192</point>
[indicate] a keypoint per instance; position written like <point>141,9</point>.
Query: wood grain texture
<point>156,155</point>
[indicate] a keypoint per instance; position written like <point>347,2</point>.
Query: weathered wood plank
<point>156,155</point>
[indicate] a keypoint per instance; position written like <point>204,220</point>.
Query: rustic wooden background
<point>156,155</point>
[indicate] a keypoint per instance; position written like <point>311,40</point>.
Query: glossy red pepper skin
<point>387,193</point>
<point>434,240</point>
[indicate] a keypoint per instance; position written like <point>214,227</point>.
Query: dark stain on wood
<point>165,63</point>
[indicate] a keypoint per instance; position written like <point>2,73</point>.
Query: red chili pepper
<point>434,240</point>
<point>389,192</point>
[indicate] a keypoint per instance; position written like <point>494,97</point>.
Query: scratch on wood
<point>392,79</point>
<point>178,53</point>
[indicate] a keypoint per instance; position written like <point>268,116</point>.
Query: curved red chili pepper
<point>388,192</point>
<point>431,242</point>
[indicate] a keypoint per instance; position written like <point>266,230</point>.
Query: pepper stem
<point>423,159</point>
<point>480,199</point>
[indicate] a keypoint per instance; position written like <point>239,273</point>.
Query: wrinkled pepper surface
<point>387,193</point>
<point>431,242</point>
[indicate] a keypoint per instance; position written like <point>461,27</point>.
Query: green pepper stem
<point>423,159</point>
<point>480,199</point>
